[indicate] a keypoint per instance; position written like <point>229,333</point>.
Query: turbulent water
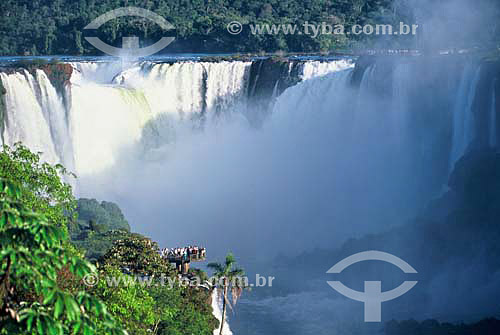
<point>217,311</point>
<point>321,156</point>
<point>107,107</point>
<point>317,68</point>
<point>35,114</point>
<point>346,151</point>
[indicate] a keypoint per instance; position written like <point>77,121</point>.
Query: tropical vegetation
<point>56,27</point>
<point>44,276</point>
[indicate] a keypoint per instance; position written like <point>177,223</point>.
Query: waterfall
<point>400,108</point>
<point>217,312</point>
<point>463,117</point>
<point>326,92</point>
<point>104,117</point>
<point>345,150</point>
<point>113,109</point>
<point>313,69</point>
<point>224,92</point>
<point>35,114</point>
<point>189,88</point>
<point>110,108</point>
<point>399,121</point>
<point>106,110</point>
<point>96,72</point>
<point>104,121</point>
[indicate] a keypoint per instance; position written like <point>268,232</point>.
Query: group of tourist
<point>185,252</point>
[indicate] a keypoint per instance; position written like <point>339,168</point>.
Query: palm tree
<point>229,278</point>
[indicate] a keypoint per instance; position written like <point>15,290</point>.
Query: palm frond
<point>230,260</point>
<point>217,267</point>
<point>236,294</point>
<point>237,272</point>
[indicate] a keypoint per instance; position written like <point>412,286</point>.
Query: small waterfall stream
<point>217,312</point>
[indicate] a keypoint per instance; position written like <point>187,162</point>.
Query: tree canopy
<point>44,187</point>
<point>104,213</point>
<point>32,255</point>
<point>44,280</point>
<point>50,27</point>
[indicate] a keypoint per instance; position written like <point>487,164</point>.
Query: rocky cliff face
<point>59,74</point>
<point>269,78</point>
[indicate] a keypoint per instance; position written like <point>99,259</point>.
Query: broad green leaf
<point>58,306</point>
<point>48,299</point>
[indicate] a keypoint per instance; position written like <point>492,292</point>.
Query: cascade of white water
<point>463,118</point>
<point>109,107</point>
<point>95,72</point>
<point>217,312</point>
<point>313,69</point>
<point>327,155</point>
<point>400,109</point>
<point>55,113</point>
<point>109,111</point>
<point>187,88</point>
<point>294,105</point>
<point>104,121</point>
<point>372,130</point>
<point>366,111</point>
<point>31,106</point>
<point>226,85</point>
<point>169,88</point>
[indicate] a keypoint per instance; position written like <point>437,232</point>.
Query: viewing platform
<point>182,257</point>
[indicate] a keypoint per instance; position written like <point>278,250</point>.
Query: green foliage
<point>162,310</point>
<point>227,269</point>
<point>183,310</point>
<point>192,313</point>
<point>97,227</point>
<point>139,255</point>
<point>131,305</point>
<point>96,244</point>
<point>56,26</point>
<point>177,310</point>
<point>104,213</point>
<point>41,273</point>
<point>196,315</point>
<point>44,189</point>
<point>32,254</point>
